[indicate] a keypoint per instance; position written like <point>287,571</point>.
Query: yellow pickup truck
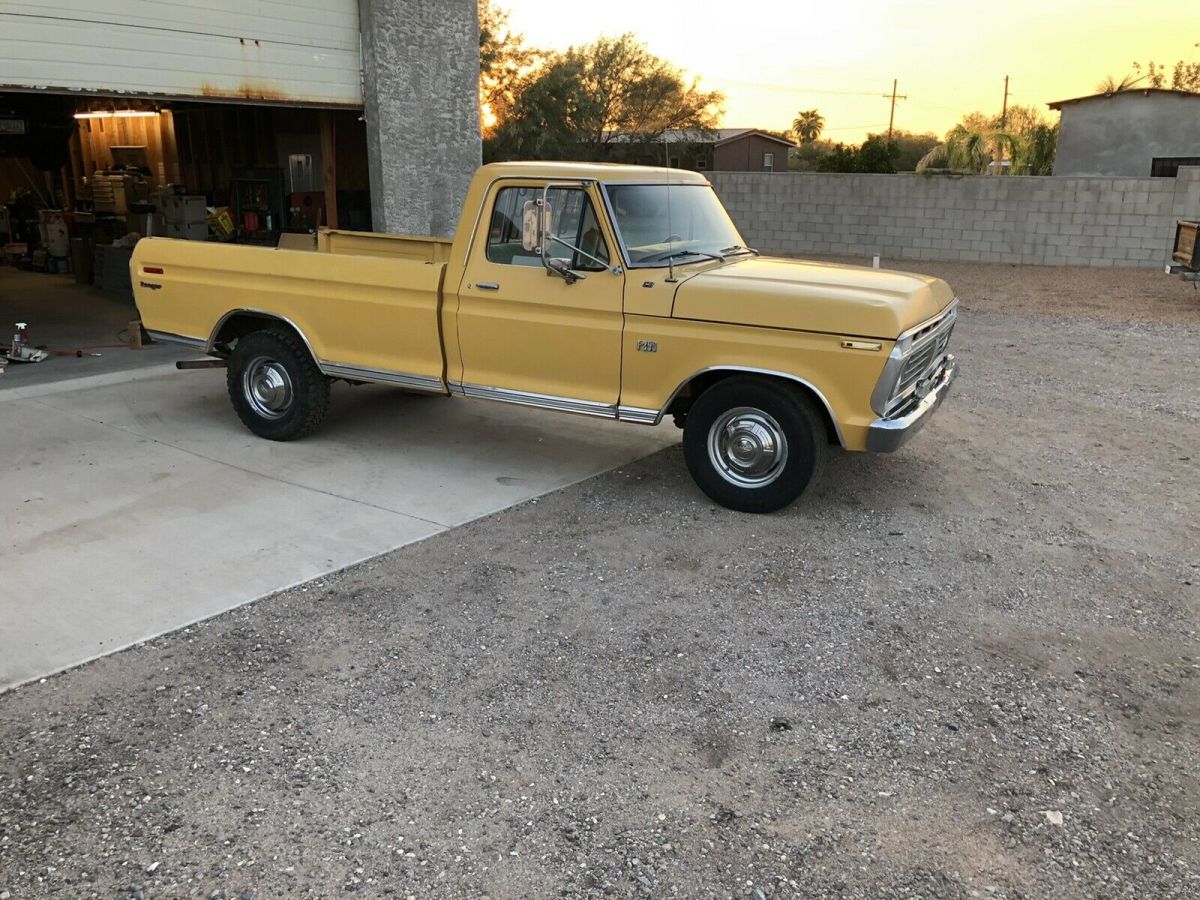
<point>621,292</point>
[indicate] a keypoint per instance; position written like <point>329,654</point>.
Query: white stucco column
<point>421,102</point>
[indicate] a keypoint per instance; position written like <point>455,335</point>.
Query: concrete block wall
<point>1010,219</point>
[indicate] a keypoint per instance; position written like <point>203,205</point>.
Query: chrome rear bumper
<point>887,435</point>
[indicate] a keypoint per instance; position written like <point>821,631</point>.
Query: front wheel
<point>754,445</point>
<point>275,386</point>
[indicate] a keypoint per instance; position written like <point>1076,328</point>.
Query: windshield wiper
<point>672,254</point>
<point>737,250</point>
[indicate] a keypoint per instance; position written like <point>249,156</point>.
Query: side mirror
<point>536,221</point>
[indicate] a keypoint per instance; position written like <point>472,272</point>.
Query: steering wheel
<point>672,238</point>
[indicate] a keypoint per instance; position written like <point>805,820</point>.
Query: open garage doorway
<point>83,178</point>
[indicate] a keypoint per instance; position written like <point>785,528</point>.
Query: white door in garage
<point>276,51</point>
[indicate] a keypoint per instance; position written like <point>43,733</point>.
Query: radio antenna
<point>670,221</point>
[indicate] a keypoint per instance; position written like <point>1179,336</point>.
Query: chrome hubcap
<point>747,447</point>
<point>268,388</point>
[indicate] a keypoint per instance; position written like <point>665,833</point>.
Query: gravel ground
<point>968,669</point>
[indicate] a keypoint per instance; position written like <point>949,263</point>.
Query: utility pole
<point>895,97</point>
<point>1003,124</point>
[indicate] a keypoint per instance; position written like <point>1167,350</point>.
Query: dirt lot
<point>969,669</point>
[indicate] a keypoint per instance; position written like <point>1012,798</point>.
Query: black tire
<point>754,445</point>
<point>276,388</point>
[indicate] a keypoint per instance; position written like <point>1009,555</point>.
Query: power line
<point>794,89</point>
<point>854,127</point>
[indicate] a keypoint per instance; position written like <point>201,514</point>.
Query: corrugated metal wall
<point>303,51</point>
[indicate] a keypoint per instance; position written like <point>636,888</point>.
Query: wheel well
<point>241,324</point>
<point>687,395</point>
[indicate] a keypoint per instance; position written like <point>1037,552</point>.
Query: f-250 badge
<point>647,346</point>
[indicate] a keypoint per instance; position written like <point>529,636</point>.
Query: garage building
<point>252,121</point>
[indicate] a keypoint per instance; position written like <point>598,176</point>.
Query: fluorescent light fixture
<point>118,114</point>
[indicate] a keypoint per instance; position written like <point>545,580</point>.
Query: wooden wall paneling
<point>84,133</point>
<point>172,170</point>
<point>329,166</point>
<point>200,122</point>
<point>68,188</point>
<point>77,169</point>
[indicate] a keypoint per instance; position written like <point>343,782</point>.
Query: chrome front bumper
<point>887,435</point>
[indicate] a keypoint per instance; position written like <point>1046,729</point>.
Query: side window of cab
<point>575,235</point>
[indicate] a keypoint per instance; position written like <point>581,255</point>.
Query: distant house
<point>1138,132</point>
<point>720,150</point>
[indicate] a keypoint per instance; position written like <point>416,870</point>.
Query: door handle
<point>487,285</point>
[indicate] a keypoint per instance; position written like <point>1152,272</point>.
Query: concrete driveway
<point>139,507</point>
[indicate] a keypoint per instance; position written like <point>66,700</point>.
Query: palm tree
<point>1110,85</point>
<point>968,150</point>
<point>1034,151</point>
<point>807,126</point>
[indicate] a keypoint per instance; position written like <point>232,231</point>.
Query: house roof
<point>716,136</point>
<point>1145,92</point>
<point>726,135</point>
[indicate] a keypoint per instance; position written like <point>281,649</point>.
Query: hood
<point>811,296</point>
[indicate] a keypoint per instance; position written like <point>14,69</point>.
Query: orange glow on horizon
<point>841,58</point>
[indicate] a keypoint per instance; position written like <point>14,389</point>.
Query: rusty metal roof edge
<point>100,93</point>
<point>1059,104</point>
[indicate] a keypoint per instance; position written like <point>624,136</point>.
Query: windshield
<point>691,227</point>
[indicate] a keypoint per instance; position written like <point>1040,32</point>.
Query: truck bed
<point>367,304</point>
<point>392,246</point>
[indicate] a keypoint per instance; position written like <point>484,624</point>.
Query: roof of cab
<point>606,172</point>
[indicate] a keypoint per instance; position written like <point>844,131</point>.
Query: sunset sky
<point>840,56</point>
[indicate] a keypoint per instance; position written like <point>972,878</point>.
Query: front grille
<point>929,346</point>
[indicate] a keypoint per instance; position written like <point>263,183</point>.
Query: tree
<point>1185,76</point>
<point>1035,149</point>
<point>807,126</point>
<point>1023,136</point>
<point>806,156</point>
<point>503,61</point>
<point>549,116</point>
<point>875,156</point>
<point>585,102</point>
<point>910,148</point>
<point>967,150</point>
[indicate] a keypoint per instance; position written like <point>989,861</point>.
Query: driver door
<point>525,330</point>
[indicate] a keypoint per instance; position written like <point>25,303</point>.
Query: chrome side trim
<point>381,376</point>
<point>888,435</point>
<point>261,313</point>
<point>639,415</point>
<point>541,401</point>
<point>750,370</point>
<point>168,337</point>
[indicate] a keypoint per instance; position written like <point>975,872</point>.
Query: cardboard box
<point>184,209</point>
<point>220,221</point>
<point>195,232</point>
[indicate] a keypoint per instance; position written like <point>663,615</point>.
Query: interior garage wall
<point>18,173</point>
<point>1011,219</point>
<point>91,146</point>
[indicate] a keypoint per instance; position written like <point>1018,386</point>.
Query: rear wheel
<point>754,445</point>
<point>275,386</point>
